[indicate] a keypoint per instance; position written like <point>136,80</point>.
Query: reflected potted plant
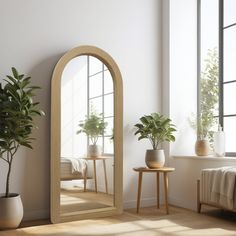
<point>93,126</point>
<point>17,110</point>
<point>157,129</point>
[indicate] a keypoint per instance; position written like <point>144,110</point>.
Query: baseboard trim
<point>179,203</point>
<point>36,215</point>
<point>146,202</point>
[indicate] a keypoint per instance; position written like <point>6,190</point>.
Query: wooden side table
<point>165,171</point>
<point>94,159</point>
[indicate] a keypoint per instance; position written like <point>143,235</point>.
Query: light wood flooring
<point>77,200</point>
<point>149,222</point>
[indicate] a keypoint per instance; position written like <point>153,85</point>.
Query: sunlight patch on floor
<point>149,222</point>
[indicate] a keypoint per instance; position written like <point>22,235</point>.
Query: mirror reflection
<point>87,124</point>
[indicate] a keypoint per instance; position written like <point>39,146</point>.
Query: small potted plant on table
<point>157,129</point>
<point>93,126</point>
<point>17,110</point>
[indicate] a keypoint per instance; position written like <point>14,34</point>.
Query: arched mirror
<point>86,136</point>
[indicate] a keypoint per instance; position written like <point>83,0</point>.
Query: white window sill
<point>208,158</point>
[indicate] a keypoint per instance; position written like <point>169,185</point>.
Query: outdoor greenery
<point>17,110</point>
<point>155,127</point>
<point>93,126</point>
<point>209,95</point>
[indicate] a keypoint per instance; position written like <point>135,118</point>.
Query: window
<point>100,98</point>
<point>217,68</point>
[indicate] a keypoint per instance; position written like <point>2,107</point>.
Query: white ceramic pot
<point>94,151</point>
<point>11,211</point>
<point>155,158</point>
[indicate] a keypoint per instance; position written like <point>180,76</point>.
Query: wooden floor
<point>149,222</point>
<point>78,200</point>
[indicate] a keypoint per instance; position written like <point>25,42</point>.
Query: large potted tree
<point>157,129</point>
<point>17,110</point>
<point>93,126</point>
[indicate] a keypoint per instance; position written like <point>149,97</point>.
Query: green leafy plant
<point>17,110</point>
<point>112,136</point>
<point>209,97</point>
<point>155,127</point>
<point>93,126</point>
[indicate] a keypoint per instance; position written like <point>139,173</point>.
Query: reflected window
<point>86,84</point>
<point>100,99</point>
<point>73,107</point>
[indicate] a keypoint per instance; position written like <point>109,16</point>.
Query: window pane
<point>216,109</point>
<point>108,145</point>
<point>230,53</point>
<point>209,66</point>
<point>108,105</point>
<point>215,124</point>
<point>108,82</point>
<point>230,134</point>
<point>95,85</point>
<point>96,105</point>
<point>229,12</point>
<point>110,125</point>
<point>229,99</point>
<point>209,28</point>
<point>95,65</point>
<point>73,107</point>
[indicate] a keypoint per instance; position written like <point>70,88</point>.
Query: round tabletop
<point>97,158</point>
<point>161,169</point>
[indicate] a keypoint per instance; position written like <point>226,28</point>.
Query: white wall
<point>179,71</point>
<point>183,73</point>
<point>35,34</point>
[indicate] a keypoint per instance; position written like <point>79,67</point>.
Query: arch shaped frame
<point>55,215</point>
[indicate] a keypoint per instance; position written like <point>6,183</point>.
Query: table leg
<point>158,191</point>
<point>85,179</point>
<point>95,175</point>
<point>198,197</point>
<point>166,192</point>
<point>139,189</point>
<point>105,175</point>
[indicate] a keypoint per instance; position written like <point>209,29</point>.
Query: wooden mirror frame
<point>56,217</point>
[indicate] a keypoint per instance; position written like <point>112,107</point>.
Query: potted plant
<point>93,126</point>
<point>157,129</point>
<point>17,110</point>
<point>206,120</point>
<point>204,124</point>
